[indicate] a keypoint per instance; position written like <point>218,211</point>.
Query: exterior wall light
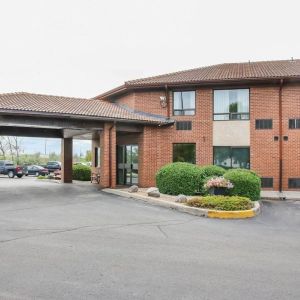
<point>163,101</point>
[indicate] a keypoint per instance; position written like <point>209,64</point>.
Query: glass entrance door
<point>127,163</point>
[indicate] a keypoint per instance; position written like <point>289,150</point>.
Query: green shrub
<point>246,183</point>
<point>178,178</point>
<point>81,172</point>
<point>207,172</point>
<point>41,177</point>
<point>221,203</point>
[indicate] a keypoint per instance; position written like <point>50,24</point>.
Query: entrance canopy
<point>34,115</point>
<point>54,116</point>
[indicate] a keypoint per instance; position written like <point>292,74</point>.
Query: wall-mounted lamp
<point>163,101</point>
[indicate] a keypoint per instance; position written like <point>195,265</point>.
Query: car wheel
<point>19,176</point>
<point>11,174</point>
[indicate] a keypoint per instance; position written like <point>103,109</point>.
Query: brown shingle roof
<point>27,102</point>
<point>228,71</point>
<point>222,73</point>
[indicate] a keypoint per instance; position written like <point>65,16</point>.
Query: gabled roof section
<point>221,73</point>
<point>27,103</point>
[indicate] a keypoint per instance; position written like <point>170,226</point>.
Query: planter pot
<point>219,191</point>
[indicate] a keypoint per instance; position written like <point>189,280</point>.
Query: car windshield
<point>9,164</point>
<point>37,167</point>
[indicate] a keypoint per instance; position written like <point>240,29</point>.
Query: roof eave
<point>127,87</point>
<point>74,116</point>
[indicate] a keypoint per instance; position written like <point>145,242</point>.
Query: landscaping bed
<point>225,203</point>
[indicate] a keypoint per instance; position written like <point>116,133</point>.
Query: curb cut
<point>201,212</point>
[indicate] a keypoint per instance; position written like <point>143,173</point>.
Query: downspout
<point>168,101</point>
<point>110,155</point>
<point>280,136</point>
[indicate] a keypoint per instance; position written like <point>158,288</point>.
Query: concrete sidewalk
<point>286,195</point>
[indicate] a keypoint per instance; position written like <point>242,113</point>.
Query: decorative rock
<point>181,198</point>
<point>133,189</point>
<point>153,192</point>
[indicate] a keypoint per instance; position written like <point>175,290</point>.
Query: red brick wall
<point>127,100</point>
<point>291,148</point>
<point>156,143</point>
<point>144,101</point>
<point>264,151</point>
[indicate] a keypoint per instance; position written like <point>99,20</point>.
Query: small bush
<point>178,178</point>
<point>226,203</point>
<point>41,177</point>
<point>246,183</point>
<point>81,172</point>
<point>205,173</point>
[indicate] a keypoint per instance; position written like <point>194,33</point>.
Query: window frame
<point>232,147</point>
<point>238,113</point>
<point>267,178</point>
<point>263,121</point>
<point>195,151</point>
<point>296,122</point>
<point>187,127</point>
<point>289,183</point>
<point>183,110</point>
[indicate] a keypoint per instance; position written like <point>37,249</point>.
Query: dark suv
<point>7,167</point>
<point>53,166</point>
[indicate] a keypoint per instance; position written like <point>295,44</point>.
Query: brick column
<point>108,156</point>
<point>66,160</point>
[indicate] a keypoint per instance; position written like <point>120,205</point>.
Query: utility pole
<point>45,147</point>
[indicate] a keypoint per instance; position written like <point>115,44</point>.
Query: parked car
<point>35,170</point>
<point>53,165</point>
<point>7,167</point>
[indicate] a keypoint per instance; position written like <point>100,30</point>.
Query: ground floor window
<point>266,182</point>
<point>184,153</point>
<point>232,157</point>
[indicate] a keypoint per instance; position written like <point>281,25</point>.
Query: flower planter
<point>219,191</point>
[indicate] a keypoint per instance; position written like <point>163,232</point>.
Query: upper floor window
<point>184,103</point>
<point>231,104</point>
<point>263,124</point>
<point>184,125</point>
<point>294,123</point>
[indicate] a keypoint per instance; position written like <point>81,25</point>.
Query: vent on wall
<point>266,182</point>
<point>184,125</point>
<point>294,183</point>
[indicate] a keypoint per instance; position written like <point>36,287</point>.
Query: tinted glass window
<point>184,125</point>
<point>232,157</point>
<point>266,182</point>
<point>184,153</point>
<point>294,183</point>
<point>264,124</point>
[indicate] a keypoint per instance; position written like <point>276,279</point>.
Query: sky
<point>82,48</point>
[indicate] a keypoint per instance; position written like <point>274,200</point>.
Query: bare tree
<point>3,147</point>
<point>14,147</point>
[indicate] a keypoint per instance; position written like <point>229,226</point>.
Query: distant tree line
<point>11,149</point>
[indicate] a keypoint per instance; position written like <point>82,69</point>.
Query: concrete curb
<point>201,212</point>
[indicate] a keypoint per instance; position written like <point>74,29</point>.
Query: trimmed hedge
<point>81,172</point>
<point>207,172</point>
<point>226,203</point>
<point>178,178</point>
<point>185,178</point>
<point>246,183</point>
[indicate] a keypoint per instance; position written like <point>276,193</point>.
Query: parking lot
<point>74,242</point>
